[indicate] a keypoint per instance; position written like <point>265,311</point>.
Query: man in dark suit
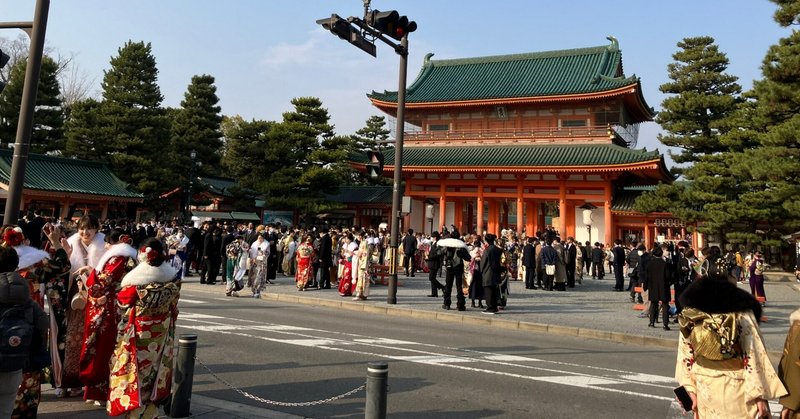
<point>34,223</point>
<point>587,257</point>
<point>434,261</point>
<point>597,261</point>
<point>570,256</point>
<point>491,269</point>
<point>409,249</point>
<point>529,262</point>
<point>619,265</point>
<point>325,258</point>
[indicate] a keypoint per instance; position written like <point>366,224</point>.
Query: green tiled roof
<point>218,185</point>
<point>623,200</point>
<point>59,174</point>
<point>362,195</point>
<point>527,155</point>
<point>550,73</point>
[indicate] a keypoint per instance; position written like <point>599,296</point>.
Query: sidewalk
<point>201,407</point>
<point>590,310</point>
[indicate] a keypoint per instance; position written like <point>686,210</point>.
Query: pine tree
<point>696,119</point>
<point>196,126</point>
<point>773,166</point>
<point>373,132</point>
<point>48,116</point>
<point>704,95</point>
<point>83,132</point>
<point>138,127</point>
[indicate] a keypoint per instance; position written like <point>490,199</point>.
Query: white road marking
<point>186,300</point>
<point>429,357</point>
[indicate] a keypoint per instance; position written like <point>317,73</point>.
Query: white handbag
<point>550,269</point>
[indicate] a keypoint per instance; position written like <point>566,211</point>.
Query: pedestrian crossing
<point>634,384</point>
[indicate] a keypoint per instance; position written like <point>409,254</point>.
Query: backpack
<point>16,335</point>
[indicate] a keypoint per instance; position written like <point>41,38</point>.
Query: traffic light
<point>375,165</point>
<point>343,29</point>
<point>391,23</point>
<point>3,61</point>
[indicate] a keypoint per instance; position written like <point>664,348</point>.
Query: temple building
<point>527,141</point>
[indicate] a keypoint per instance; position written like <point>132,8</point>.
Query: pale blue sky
<point>264,53</point>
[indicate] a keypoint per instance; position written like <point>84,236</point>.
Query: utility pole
<point>382,26</point>
<point>16,180</point>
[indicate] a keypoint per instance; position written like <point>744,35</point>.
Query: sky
<point>263,53</point>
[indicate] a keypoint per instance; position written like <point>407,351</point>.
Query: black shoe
<point>666,327</point>
<point>445,306</point>
<point>211,283</point>
<point>651,325</point>
<point>433,295</point>
<point>461,308</point>
<point>480,305</point>
<point>202,282</point>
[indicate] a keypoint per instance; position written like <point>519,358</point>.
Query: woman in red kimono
<point>141,366</point>
<point>305,255</point>
<point>100,326</point>
<point>348,247</point>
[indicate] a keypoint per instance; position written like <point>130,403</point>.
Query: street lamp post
<point>36,30</point>
<point>587,218</point>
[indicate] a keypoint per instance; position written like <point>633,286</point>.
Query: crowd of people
<point>108,331</point>
<point>124,272</point>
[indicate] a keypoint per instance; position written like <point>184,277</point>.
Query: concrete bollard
<point>377,387</point>
<point>183,377</point>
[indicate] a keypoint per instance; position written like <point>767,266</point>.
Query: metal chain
<point>277,403</point>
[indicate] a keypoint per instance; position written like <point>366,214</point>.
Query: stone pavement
<point>590,310</point>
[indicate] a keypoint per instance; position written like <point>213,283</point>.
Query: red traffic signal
<point>391,23</point>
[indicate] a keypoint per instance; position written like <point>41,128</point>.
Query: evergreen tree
<point>696,119</point>
<point>374,131</point>
<point>704,95</point>
<point>138,126</point>
<point>196,126</point>
<point>773,166</point>
<point>84,131</point>
<point>48,116</point>
<point>369,138</point>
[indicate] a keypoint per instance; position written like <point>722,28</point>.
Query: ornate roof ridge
<point>516,57</point>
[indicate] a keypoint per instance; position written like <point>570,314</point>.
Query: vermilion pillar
<point>609,237</point>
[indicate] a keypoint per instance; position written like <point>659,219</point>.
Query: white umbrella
<point>451,243</point>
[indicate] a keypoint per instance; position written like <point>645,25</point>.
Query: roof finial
<point>427,58</point>
<point>614,47</point>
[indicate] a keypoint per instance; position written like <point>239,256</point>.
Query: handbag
<point>550,269</point>
<point>78,301</point>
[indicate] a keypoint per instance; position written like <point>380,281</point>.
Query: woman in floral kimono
<point>475,285</point>
<point>141,367</point>
<point>259,257</point>
<point>45,274</point>
<point>305,255</point>
<point>348,248</point>
<point>361,287</point>
<point>721,360</point>
<point>88,246</point>
<point>100,330</point>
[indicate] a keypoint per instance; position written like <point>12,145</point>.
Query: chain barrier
<point>277,403</point>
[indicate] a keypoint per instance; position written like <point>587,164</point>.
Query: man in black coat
<point>657,287</point>
<point>34,223</point>
<point>454,259</point>
<point>529,262</point>
<point>587,257</point>
<point>619,265</point>
<point>409,249</point>
<point>212,240</point>
<point>597,261</point>
<point>491,269</point>
<point>325,258</point>
<point>434,262</point>
<point>571,257</point>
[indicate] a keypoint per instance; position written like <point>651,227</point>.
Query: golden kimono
<point>721,354</point>
<point>789,368</point>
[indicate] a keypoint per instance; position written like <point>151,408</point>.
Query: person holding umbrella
<point>454,258</point>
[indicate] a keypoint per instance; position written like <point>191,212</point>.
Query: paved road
<point>296,353</point>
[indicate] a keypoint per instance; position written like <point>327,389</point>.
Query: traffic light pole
<point>27,107</point>
<point>397,193</point>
